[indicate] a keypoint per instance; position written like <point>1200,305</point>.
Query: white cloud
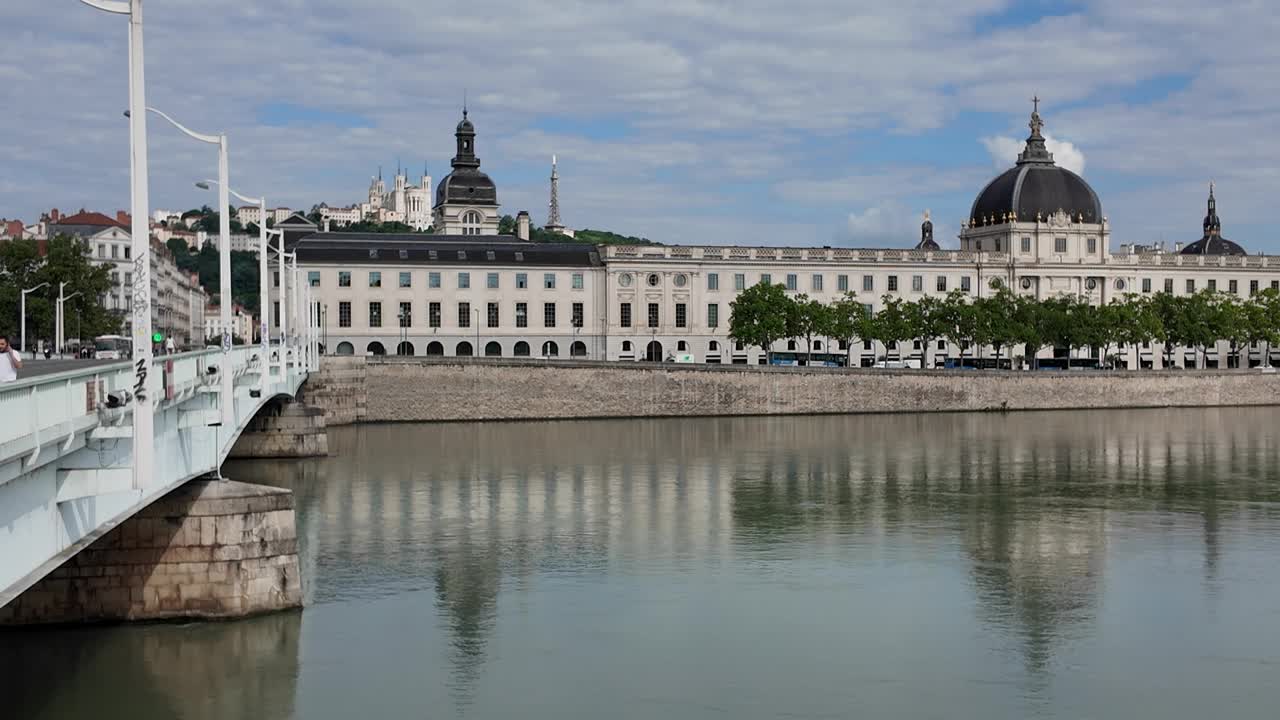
<point>710,94</point>
<point>887,225</point>
<point>1004,152</point>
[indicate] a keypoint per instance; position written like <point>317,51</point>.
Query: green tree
<point>66,260</point>
<point>807,318</point>
<point>758,316</point>
<point>846,319</point>
<point>892,325</point>
<point>927,320</point>
<point>997,321</point>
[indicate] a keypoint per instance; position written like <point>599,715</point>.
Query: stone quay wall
<point>290,430</point>
<point>418,389</point>
<point>209,549</point>
<point>338,388</point>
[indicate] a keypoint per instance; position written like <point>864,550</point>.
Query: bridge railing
<point>38,410</point>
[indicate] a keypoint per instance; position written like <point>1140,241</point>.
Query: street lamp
<point>140,293</point>
<point>476,310</point>
<point>59,322</point>
<point>224,259</point>
<point>284,302</point>
<point>264,328</point>
<point>23,347</point>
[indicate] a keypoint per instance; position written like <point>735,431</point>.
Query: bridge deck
<point>66,474</point>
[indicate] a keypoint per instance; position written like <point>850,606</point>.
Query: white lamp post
<point>58,320</point>
<point>264,328</point>
<point>23,313</point>
<point>224,263</point>
<point>140,293</point>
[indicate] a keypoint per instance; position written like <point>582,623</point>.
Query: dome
<point>466,185</point>
<point>926,235</point>
<point>1036,188</point>
<point>1212,242</point>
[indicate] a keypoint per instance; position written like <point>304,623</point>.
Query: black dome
<point>1036,188</point>
<point>466,186</point>
<point>1212,242</point>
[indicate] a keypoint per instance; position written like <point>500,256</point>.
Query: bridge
<point>66,465</point>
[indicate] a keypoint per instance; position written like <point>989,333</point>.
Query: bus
<point>112,347</point>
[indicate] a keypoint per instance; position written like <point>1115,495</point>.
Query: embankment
<point>358,389</point>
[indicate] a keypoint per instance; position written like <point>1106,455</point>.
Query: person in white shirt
<point>10,362</point>
<point>169,346</point>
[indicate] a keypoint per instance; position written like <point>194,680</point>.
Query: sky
<point>811,122</point>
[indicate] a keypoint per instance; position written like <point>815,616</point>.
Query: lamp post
<point>140,293</point>
<point>224,261</point>
<point>23,315</point>
<point>264,327</point>
<point>58,317</point>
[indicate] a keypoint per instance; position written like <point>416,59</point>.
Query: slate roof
<point>392,249</point>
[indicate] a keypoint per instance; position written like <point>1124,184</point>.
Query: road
<point>35,368</point>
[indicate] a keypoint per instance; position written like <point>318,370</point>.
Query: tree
<point>66,260</point>
<point>805,319</point>
<point>1136,322</point>
<point>958,319</point>
<point>891,325</point>
<point>758,316</point>
<point>996,322</point>
<point>927,320</point>
<point>845,320</point>
<point>1029,328</point>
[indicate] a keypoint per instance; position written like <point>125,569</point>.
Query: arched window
<point>471,221</point>
<point>463,349</point>
<point>435,348</point>
<point>346,348</point>
<point>493,349</point>
<point>550,349</point>
<point>521,349</point>
<point>713,346</point>
<point>791,344</point>
<point>375,348</point>
<point>682,346</point>
<point>404,348</point>
<point>578,349</point>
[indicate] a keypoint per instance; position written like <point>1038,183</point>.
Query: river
<point>1032,565</point>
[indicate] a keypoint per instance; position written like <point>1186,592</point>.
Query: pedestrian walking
<point>169,346</point>
<point>10,361</point>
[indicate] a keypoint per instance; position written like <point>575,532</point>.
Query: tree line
<point>1007,323</point>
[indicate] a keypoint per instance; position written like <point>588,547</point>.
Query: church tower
<point>466,199</point>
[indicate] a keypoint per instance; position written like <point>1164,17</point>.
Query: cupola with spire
<point>1212,242</point>
<point>926,235</point>
<point>466,184</point>
<point>1035,187</point>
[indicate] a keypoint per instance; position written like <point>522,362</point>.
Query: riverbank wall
<point>447,390</point>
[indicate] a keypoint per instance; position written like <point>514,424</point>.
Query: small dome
<point>1036,188</point>
<point>1212,242</point>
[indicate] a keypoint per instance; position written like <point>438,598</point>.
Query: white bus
<point>112,347</point>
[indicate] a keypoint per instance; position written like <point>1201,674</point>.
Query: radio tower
<point>553,217</point>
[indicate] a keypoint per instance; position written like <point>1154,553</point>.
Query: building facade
<point>403,203</point>
<point>1037,230</point>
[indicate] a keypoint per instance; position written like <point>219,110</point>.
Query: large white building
<point>1036,229</point>
<point>252,214</point>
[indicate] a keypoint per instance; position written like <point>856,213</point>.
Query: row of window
<point>1233,286</point>
<point>682,315</point>
<point>817,282</point>
<point>115,251</point>
<point>465,313</point>
<point>1059,245</point>
<point>493,348</point>
<point>435,280</point>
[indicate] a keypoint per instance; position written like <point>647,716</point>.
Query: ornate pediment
<point>1059,218</point>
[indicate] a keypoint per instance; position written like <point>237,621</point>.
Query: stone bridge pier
<point>209,549</point>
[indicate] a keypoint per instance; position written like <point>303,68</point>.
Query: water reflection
<point>191,671</point>
<point>1012,566</point>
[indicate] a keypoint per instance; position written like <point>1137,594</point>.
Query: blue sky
<point>812,123</point>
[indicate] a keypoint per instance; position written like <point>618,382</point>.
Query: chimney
<point>522,225</point>
<point>122,217</point>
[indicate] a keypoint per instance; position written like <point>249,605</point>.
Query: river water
<point>1033,565</point>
